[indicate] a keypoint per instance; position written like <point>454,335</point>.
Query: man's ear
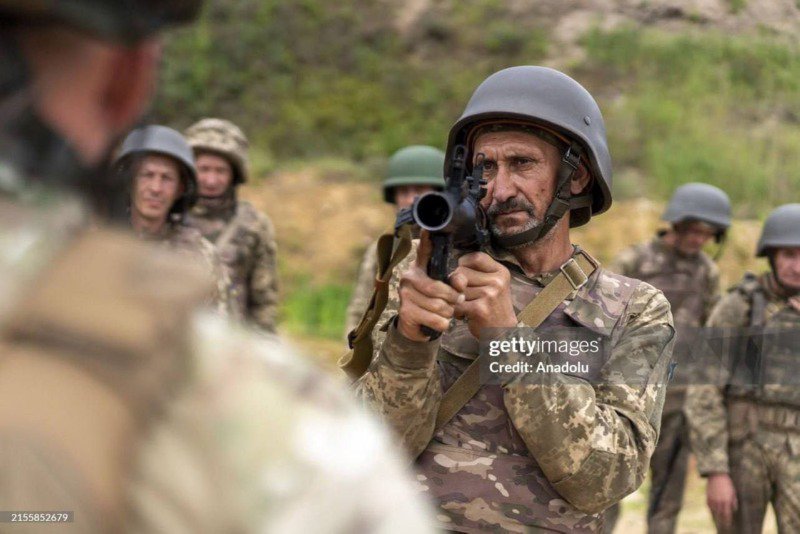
<point>130,84</point>
<point>580,180</point>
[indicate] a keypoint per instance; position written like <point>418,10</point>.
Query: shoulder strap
<point>574,275</point>
<point>758,306</point>
<point>229,230</point>
<point>390,253</point>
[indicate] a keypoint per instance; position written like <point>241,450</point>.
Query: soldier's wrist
<point>408,353</point>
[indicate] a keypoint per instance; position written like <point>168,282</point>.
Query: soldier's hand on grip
<point>423,300</point>
<point>486,284</point>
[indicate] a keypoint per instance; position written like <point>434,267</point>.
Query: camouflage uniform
<point>189,241</point>
<point>245,241</point>
<point>691,284</point>
<point>244,237</point>
<point>363,289</point>
<point>500,465</point>
<point>752,431</point>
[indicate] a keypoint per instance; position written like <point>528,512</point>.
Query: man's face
<point>692,236</point>
<point>404,195</point>
<point>787,266</point>
<point>214,175</point>
<point>521,172</point>
<point>157,185</point>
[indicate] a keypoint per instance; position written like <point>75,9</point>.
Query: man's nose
<point>503,187</point>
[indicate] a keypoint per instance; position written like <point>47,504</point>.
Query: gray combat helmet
<point>552,100</point>
<point>414,165</point>
<point>126,21</point>
<point>699,202</point>
<point>781,229</point>
<point>165,141</point>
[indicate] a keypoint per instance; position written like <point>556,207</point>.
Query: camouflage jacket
<point>691,285</point>
<point>550,452</point>
<point>245,240</point>
<point>363,288</point>
<point>189,241</point>
<point>124,402</point>
<point>727,407</point>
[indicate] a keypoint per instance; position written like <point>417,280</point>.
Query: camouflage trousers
<point>668,468</point>
<point>765,471</point>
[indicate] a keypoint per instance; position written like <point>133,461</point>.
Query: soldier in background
<point>745,428</point>
<point>413,171</point>
<point>244,237</point>
<point>160,167</point>
<point>545,451</point>
<point>674,262</point>
<point>120,400</point>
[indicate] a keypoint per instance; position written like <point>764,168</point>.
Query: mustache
<point>510,205</point>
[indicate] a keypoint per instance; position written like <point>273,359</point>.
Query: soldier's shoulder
<point>630,258</point>
<point>255,219</point>
<point>744,288</point>
<point>630,293</point>
<point>299,425</point>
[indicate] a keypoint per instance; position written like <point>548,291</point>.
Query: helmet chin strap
<point>562,202</point>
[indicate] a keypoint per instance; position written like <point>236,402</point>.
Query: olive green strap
<point>574,274</point>
<point>390,252</point>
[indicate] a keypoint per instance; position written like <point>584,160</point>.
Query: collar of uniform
<point>216,207</point>
<point>507,258</point>
<point>587,306</point>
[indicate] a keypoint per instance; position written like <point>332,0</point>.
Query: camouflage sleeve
<point>402,383</point>
<point>625,262</point>
<point>706,415</point>
<point>262,300</point>
<point>363,288</point>
<point>594,442</point>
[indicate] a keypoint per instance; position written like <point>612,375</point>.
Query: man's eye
<point>519,162</point>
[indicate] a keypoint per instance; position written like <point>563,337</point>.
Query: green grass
<point>711,108</point>
<point>316,310</point>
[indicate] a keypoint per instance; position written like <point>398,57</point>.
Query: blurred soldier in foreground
<point>549,450</point>
<point>746,433</point>
<point>119,401</point>
<point>675,263</point>
<point>413,170</point>
<point>244,237</point>
<point>160,168</point>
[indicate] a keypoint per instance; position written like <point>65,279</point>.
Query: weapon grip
<point>437,269</point>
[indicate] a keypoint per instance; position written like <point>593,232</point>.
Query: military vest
<point>766,364</point>
<point>482,435</point>
<point>685,282</point>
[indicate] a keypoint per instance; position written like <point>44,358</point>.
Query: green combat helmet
<point>126,21</point>
<point>781,229</point>
<point>414,165</point>
<point>162,140</point>
<point>222,137</point>
<point>700,202</point>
